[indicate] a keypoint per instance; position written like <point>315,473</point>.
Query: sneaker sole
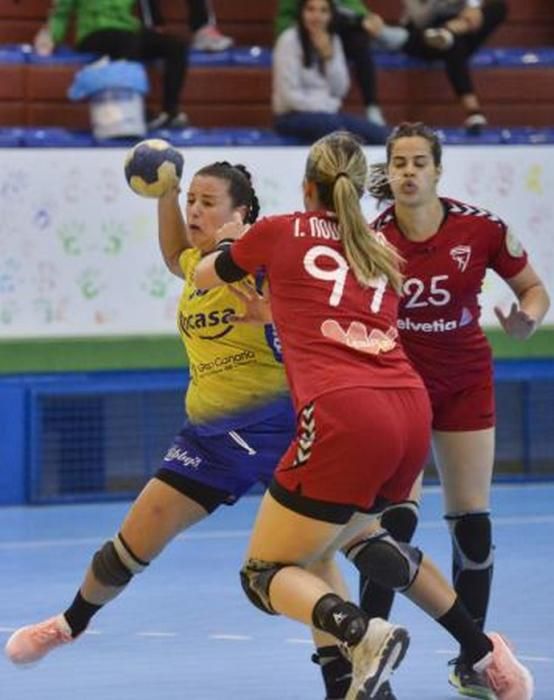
<point>468,692</point>
<point>391,655</point>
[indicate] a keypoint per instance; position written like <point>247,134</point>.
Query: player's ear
<point>242,211</point>
<point>438,174</point>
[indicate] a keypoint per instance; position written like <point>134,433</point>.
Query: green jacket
<point>287,11</point>
<point>91,15</point>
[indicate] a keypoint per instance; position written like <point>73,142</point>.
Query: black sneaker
<point>468,682</point>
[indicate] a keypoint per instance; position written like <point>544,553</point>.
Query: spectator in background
<point>110,27</point>
<point>356,27</point>
<point>452,31</point>
<point>202,23</point>
<point>310,79</point>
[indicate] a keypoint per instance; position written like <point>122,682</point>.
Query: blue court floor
<point>184,631</point>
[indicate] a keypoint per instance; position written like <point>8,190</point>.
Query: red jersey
<point>439,311</point>
<point>335,333</point>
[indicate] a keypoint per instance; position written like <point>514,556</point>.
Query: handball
<point>153,167</point>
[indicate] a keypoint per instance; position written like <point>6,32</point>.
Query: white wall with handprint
<point>80,253</point>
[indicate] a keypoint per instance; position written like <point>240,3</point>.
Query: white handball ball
<point>153,167</point>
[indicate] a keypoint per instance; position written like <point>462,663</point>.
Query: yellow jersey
<point>236,374</point>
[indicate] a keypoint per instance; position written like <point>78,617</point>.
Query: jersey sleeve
<point>507,255</point>
<point>256,248</point>
<point>187,260</point>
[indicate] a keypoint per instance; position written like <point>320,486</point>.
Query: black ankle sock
<point>336,671</point>
<point>79,614</point>
<point>474,643</point>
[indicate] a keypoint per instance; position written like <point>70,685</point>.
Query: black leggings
<point>356,43</point>
<point>456,59</point>
<point>145,45</point>
<point>199,14</point>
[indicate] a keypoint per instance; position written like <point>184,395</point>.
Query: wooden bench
<point>34,95</point>
<point>530,22</point>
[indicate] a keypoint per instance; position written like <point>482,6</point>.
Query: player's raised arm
<point>172,230</point>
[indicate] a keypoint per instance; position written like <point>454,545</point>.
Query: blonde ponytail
<point>338,168</point>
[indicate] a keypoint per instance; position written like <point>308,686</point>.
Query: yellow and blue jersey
<point>236,374</point>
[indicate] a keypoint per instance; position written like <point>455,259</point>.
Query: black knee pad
<point>115,565</point>
<point>255,578</point>
<point>472,539</point>
<point>391,564</point>
<point>344,620</point>
<point>401,520</point>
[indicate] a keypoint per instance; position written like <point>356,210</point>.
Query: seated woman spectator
<point>310,79</point>
<point>357,28</point>
<point>452,31</point>
<point>110,28</point>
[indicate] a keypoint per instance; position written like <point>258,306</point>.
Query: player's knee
<point>256,577</point>
<point>472,539</point>
<point>401,520</point>
<point>391,564</point>
<point>114,564</point>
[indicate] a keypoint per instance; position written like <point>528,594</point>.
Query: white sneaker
<point>375,657</point>
<point>509,678</point>
<point>209,38</point>
<point>29,644</point>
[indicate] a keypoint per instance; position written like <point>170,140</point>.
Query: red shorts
<point>468,409</point>
<point>355,449</point>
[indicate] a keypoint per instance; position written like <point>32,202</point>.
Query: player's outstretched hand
<point>256,305</point>
<point>517,323</point>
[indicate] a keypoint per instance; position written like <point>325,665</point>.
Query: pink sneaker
<point>209,38</point>
<point>509,679</point>
<point>31,643</point>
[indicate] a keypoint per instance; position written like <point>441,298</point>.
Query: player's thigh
<point>281,535</point>
<point>159,513</point>
<point>465,462</point>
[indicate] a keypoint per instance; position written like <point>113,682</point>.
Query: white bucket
<point>116,113</point>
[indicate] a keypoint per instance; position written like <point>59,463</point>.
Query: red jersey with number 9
<point>439,311</point>
<point>335,333</point>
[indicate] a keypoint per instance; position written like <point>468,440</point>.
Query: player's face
<point>316,15</point>
<point>413,175</point>
<point>209,206</point>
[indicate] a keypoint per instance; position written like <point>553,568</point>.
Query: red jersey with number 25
<point>439,311</point>
<point>335,334</point>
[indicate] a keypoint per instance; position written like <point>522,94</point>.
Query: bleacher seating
<point>33,90</point>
